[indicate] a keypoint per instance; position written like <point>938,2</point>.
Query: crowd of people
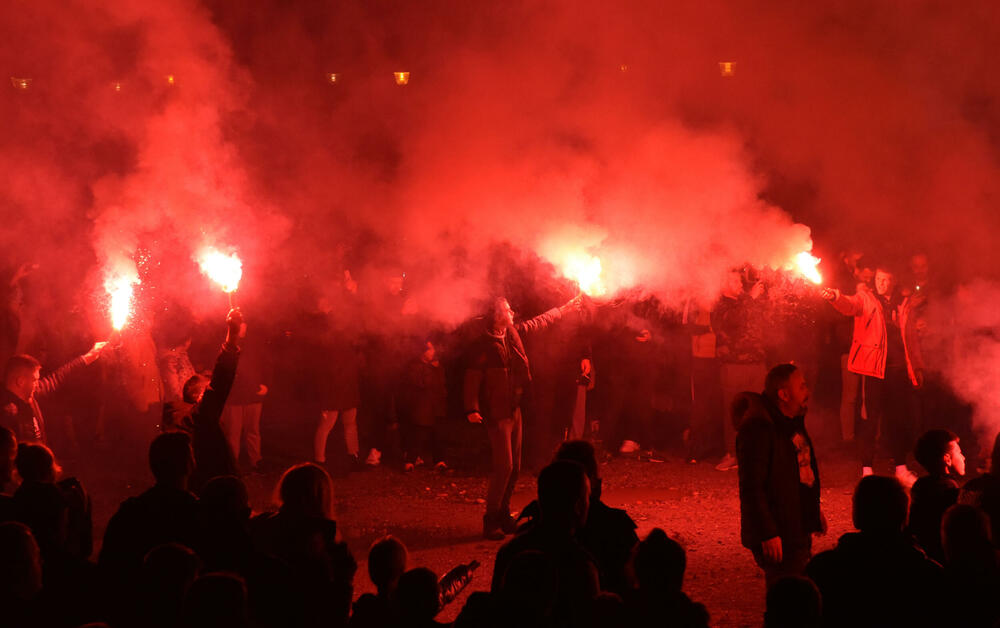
<point>188,552</point>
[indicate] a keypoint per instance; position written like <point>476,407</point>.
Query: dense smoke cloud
<point>558,127</point>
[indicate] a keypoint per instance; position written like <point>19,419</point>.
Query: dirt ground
<point>438,516</point>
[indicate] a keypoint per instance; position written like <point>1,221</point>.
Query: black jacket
<point>498,369</point>
<point>773,501</point>
<point>878,580</point>
<point>212,455</point>
<point>930,496</point>
<point>24,418</point>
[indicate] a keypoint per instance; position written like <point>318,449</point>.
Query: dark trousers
<point>505,443</point>
<point>888,416</point>
<point>706,407</point>
<point>793,562</point>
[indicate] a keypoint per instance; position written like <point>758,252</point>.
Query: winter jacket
<point>869,344</point>
<point>774,502</point>
<point>24,418</point>
<point>498,369</point>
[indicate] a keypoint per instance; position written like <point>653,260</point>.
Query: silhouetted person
<point>303,534</point>
<point>526,597</point>
<point>200,413</point>
<point>386,564</point>
<point>20,576</point>
<point>563,499</point>
<point>778,474</point>
<point>224,544</point>
<point>422,404</point>
<point>939,453</point>
<point>495,378</point>
<point>216,600</point>
<point>793,602</point>
<point>609,533</point>
<point>877,576</point>
<point>59,517</point>
<point>165,513</point>
<point>971,567</point>
<point>57,513</point>
<point>659,566</point>
<point>8,450</point>
<point>168,571</point>
<point>417,599</point>
<point>607,611</point>
<point>984,492</point>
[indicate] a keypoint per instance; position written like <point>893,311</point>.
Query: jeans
<point>505,443</point>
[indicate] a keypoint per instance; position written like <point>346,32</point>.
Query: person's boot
<point>491,528</point>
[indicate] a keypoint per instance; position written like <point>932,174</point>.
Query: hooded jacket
<point>869,343</point>
<point>773,500</point>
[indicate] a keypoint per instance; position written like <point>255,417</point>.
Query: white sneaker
<point>374,457</point>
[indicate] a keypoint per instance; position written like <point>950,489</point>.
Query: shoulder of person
<point>618,517</point>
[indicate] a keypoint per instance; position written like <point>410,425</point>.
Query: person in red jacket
<point>885,349</point>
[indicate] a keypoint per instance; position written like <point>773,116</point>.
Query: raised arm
<point>545,319</point>
<point>213,402</point>
<point>846,305</point>
<point>51,382</point>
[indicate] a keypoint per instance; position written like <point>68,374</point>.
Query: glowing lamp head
<point>806,264</point>
<point>332,78</point>
<point>20,83</point>
<point>402,78</point>
<point>170,79</point>
<point>623,68</point>
<point>117,86</point>
<point>727,68</point>
<point>225,270</point>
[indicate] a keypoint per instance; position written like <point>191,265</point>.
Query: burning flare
<point>585,270</point>
<point>120,292</point>
<point>225,270</point>
<point>806,265</point>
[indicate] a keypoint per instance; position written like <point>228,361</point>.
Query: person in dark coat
<point>778,474</point>
<point>659,564</point>
<point>877,576</point>
<point>422,405</point>
<point>337,382</point>
<point>304,535</point>
<point>166,513</point>
<point>19,410</point>
<point>495,378</point>
<point>984,492</point>
<point>200,414</point>
<point>564,500</point>
<point>939,453</point>
<point>609,533</point>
